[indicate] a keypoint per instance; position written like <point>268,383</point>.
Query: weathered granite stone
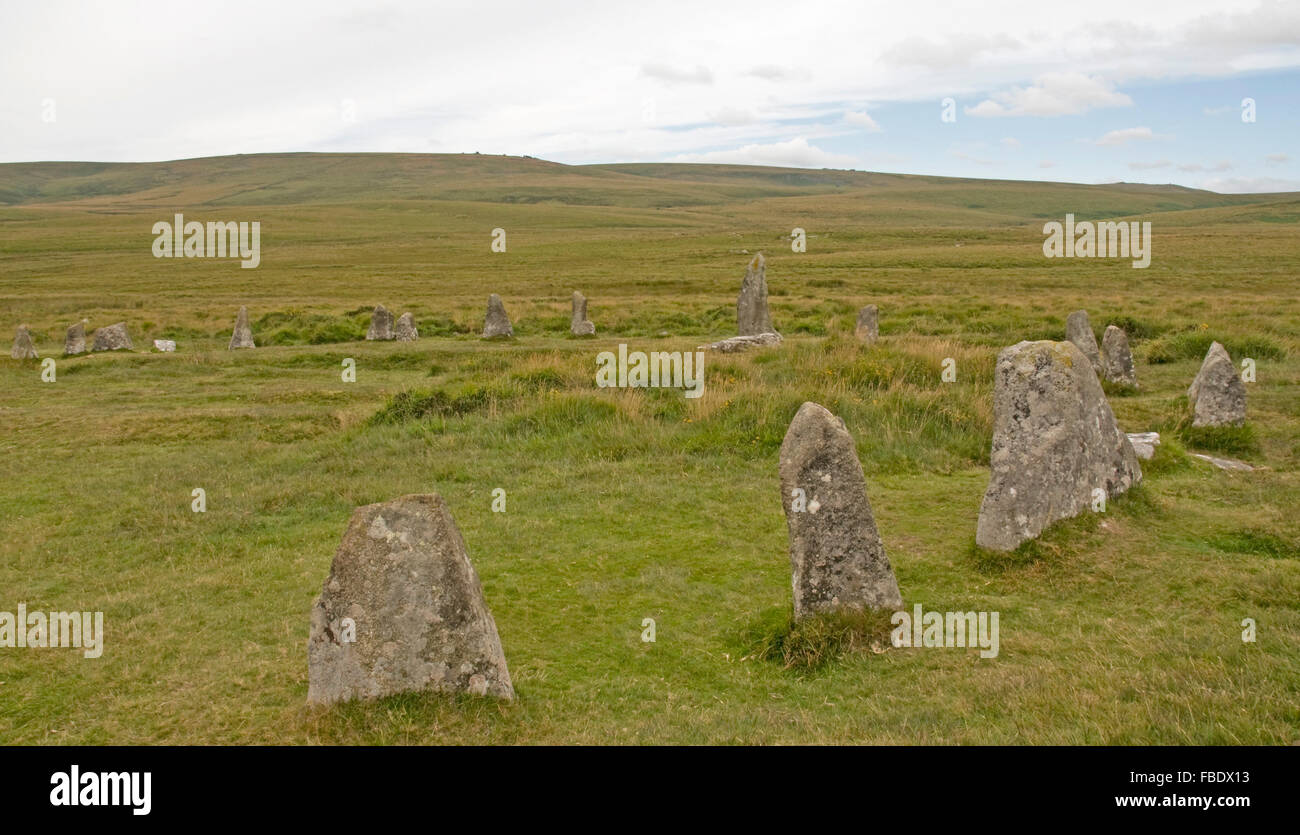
<point>23,348</point>
<point>497,323</point>
<point>1217,395</point>
<point>1055,440</point>
<point>1144,444</point>
<point>243,335</point>
<point>167,346</point>
<point>1225,463</point>
<point>403,577</point>
<point>381,324</point>
<point>579,324</point>
<point>112,338</point>
<point>406,331</point>
<point>836,554</point>
<point>1116,360</point>
<point>1079,331</point>
<point>75,340</point>
<point>868,327</point>
<point>752,316</point>
<point>743,343</point>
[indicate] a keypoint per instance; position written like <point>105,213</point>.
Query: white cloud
<point>861,119</point>
<point>1127,135</point>
<point>795,153</point>
<point>1053,94</point>
<point>676,75</point>
<point>1010,142</point>
<point>1047,163</point>
<point>733,116</point>
<point>1277,159</point>
<point>1222,165</point>
<point>1250,185</point>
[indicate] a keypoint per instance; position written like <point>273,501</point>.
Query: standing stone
<point>1055,440</point>
<point>75,340</point>
<point>112,338</point>
<point>868,329</point>
<point>1116,360</point>
<point>243,335</point>
<point>1079,331</point>
<point>497,322</point>
<point>752,316</point>
<point>837,557</point>
<point>1217,395</point>
<point>403,579</point>
<point>23,348</point>
<point>579,324</point>
<point>406,331</point>
<point>381,324</point>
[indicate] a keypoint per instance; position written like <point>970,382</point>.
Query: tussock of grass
<point>817,640</point>
<point>1255,541</point>
<point>1192,344</point>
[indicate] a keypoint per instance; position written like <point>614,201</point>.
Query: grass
<point>626,504</point>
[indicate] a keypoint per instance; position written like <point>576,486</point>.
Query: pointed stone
<point>579,324</point>
<point>836,555</point>
<point>868,329</point>
<point>1116,360</point>
<point>23,348</point>
<point>1055,440</point>
<point>381,325</point>
<point>403,581</point>
<point>406,331</point>
<point>752,316</point>
<point>1217,395</point>
<point>497,323</point>
<point>112,338</point>
<point>1079,331</point>
<point>243,335</point>
<point>75,340</point>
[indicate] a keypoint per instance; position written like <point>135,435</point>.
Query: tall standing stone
<point>112,338</point>
<point>1116,359</point>
<point>402,610</point>
<point>23,348</point>
<point>74,342</point>
<point>406,331</point>
<point>497,323</point>
<point>868,327</point>
<point>836,554</point>
<point>1079,331</point>
<point>1217,395</point>
<point>243,335</point>
<point>381,325</point>
<point>752,316</point>
<point>579,324</point>
<point>1055,441</point>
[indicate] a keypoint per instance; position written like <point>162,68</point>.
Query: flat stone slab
<point>1144,444</point>
<point>1226,463</point>
<point>743,343</point>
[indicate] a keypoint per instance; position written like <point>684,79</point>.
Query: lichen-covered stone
<point>381,325</point>
<point>1217,395</point>
<point>1116,359</point>
<point>112,338</point>
<point>735,344</point>
<point>406,331</point>
<point>23,348</point>
<point>1079,331</point>
<point>837,558</point>
<point>403,577</point>
<point>74,342</point>
<point>1055,441</point>
<point>752,316</point>
<point>243,334</point>
<point>579,324</point>
<point>868,327</point>
<point>496,323</point>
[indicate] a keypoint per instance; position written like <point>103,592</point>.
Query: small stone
<point>743,343</point>
<point>381,325</point>
<point>1055,441</point>
<point>868,328</point>
<point>1225,463</point>
<point>403,581</point>
<point>75,340</point>
<point>1144,444</point>
<point>837,558</point>
<point>579,324</point>
<point>23,348</point>
<point>1079,331</point>
<point>112,338</point>
<point>752,316</point>
<point>497,323</point>
<point>243,335</point>
<point>406,331</point>
<point>167,346</point>
<point>1116,360</point>
<point>1217,395</point>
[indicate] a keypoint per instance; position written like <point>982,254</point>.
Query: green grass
<point>1118,628</point>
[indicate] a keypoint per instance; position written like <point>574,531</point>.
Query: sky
<point>1091,92</point>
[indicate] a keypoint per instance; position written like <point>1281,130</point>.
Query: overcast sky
<point>1093,91</point>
